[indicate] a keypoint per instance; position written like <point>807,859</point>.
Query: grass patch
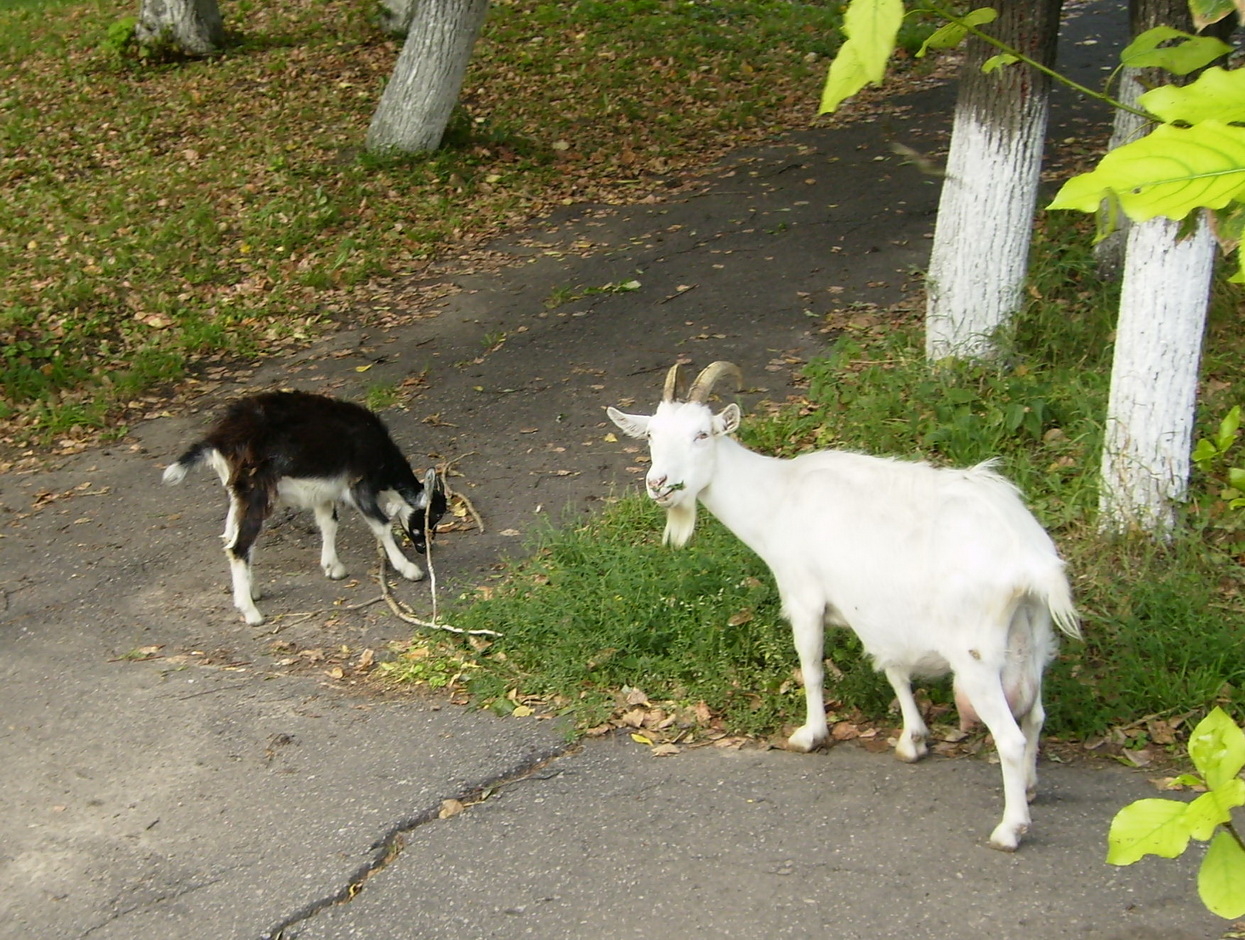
<point>157,216</point>
<point>605,606</point>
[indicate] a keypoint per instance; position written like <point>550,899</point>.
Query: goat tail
<point>195,455</point>
<point>1058,597</point>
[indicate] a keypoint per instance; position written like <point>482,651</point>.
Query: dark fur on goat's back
<point>298,434</point>
<point>277,435</point>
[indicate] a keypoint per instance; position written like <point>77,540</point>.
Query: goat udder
<point>1019,692</point>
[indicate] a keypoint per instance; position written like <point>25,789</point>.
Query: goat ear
<point>727,420</point>
<point>631,425</point>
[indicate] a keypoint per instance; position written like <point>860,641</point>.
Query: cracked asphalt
<point>223,783</point>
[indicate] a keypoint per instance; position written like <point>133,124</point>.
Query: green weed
<point>606,606</point>
<point>436,666</point>
<point>382,397</point>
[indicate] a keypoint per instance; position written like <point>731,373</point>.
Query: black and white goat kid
<point>311,452</point>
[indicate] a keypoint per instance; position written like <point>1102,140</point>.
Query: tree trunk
<point>395,17</point>
<point>1154,375</point>
<point>419,99</point>
<point>193,27</point>
<point>981,241</point>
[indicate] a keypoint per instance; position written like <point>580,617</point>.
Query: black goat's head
<point>429,508</point>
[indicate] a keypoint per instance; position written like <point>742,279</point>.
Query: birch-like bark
<point>192,26</point>
<point>394,17</point>
<point>1154,377</point>
<point>419,99</point>
<point>980,253</point>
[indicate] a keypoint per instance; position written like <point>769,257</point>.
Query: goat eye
<point>702,435</point>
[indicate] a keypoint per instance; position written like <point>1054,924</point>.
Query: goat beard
<point>680,523</point>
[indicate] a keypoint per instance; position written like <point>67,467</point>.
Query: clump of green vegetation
<point>605,605</point>
<point>436,666</point>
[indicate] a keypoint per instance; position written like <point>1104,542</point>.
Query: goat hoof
<point>336,571</point>
<point>910,751</point>
<point>411,572</point>
<point>253,618</point>
<point>1006,838</point>
<point>808,739</point>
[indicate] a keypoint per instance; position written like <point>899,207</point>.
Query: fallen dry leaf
<point>450,808</point>
<point>845,731</point>
<point>636,697</point>
<point>634,718</point>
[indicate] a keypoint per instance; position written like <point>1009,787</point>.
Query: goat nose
<point>656,483</point>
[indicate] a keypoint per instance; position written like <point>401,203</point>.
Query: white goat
<point>311,452</point>
<point>936,570</point>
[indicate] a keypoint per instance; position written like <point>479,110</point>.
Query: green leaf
<point>1217,749</point>
<point>997,62</point>
<point>1236,479</point>
<point>1217,94</point>
<point>950,35</point>
<point>1171,171</point>
<point>870,27</point>
<point>1186,54</point>
<point>1147,827</point>
<point>1206,12</point>
<point>1212,809</point>
<point>1205,452</point>
<point>1221,879</point>
<point>1228,427</point>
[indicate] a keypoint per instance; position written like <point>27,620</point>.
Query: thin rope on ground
<point>405,614</point>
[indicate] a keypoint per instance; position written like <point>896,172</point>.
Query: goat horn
<point>710,375</point>
<point>675,385</point>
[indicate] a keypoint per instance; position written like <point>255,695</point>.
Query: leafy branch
<point>958,27</point>
<point>1164,827</point>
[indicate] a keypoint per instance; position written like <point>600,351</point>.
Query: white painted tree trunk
<point>980,253</point>
<point>1154,377</point>
<point>192,26</point>
<point>419,99</point>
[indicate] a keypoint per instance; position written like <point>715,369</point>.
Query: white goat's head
<point>682,440</point>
